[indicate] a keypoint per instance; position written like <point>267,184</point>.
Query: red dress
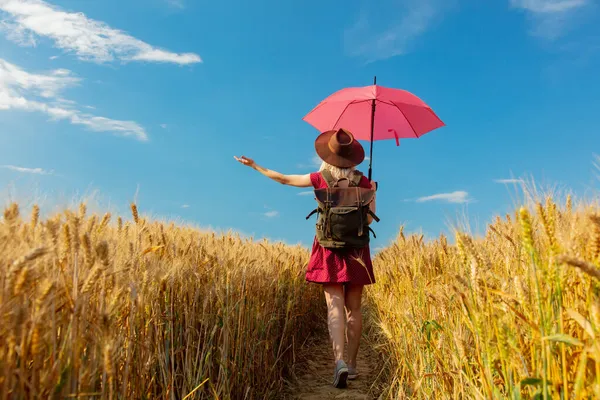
<point>339,265</point>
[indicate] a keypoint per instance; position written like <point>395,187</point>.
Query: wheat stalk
<point>583,265</point>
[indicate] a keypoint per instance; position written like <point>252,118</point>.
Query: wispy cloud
<point>386,29</point>
<point>454,197</point>
<point>164,126</point>
<point>306,193</point>
<point>548,6</point>
<point>46,86</point>
<point>315,162</point>
<point>271,214</point>
<point>180,4</point>
<point>90,40</point>
<point>551,19</point>
<point>508,181</point>
<point>21,90</point>
<point>185,206</point>
<point>36,171</point>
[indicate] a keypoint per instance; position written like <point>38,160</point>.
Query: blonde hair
<point>337,172</point>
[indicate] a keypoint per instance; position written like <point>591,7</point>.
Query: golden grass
<point>143,310</point>
<point>513,315</point>
<point>95,309</point>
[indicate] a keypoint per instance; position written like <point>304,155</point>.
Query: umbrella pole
<point>372,131</point>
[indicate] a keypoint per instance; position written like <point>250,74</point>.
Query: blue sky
<point>153,99</point>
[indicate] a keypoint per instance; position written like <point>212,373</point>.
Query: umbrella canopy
<point>395,110</point>
<point>374,113</point>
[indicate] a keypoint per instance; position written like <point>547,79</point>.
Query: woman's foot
<point>340,375</point>
<point>352,373</point>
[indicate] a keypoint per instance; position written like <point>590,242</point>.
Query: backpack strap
<point>372,231</point>
<point>356,177</point>
<point>328,177</point>
<point>375,217</point>
<point>316,210</point>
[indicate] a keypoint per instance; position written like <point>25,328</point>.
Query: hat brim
<point>322,147</point>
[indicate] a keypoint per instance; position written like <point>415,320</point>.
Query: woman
<point>341,272</point>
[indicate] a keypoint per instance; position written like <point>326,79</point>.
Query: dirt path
<point>315,374</point>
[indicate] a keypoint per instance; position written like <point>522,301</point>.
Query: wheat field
<point>142,310</point>
<point>512,315</point>
<point>100,308</point>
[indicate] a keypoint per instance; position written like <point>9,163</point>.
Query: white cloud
<point>551,18</point>
<point>315,162</point>
<point>164,126</point>
<point>185,206</point>
<point>73,32</point>
<point>101,124</point>
<point>53,57</point>
<point>454,197</point>
<point>176,3</point>
<point>508,181</point>
<point>271,214</point>
<point>46,86</point>
<point>306,193</point>
<point>37,171</point>
<point>548,6</point>
<point>390,33</point>
<point>21,90</point>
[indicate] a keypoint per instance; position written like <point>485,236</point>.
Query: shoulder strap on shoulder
<point>328,177</point>
<point>356,177</point>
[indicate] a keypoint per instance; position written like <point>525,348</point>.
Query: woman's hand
<point>246,161</point>
<point>292,180</point>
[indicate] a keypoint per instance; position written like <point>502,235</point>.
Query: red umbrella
<point>374,113</point>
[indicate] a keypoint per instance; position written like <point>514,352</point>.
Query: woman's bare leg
<point>334,295</point>
<point>353,300</point>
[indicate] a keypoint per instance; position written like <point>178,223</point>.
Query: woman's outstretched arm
<point>291,180</point>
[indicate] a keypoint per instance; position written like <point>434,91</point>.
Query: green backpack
<point>343,211</point>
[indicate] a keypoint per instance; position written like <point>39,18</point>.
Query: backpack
<point>342,212</point>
